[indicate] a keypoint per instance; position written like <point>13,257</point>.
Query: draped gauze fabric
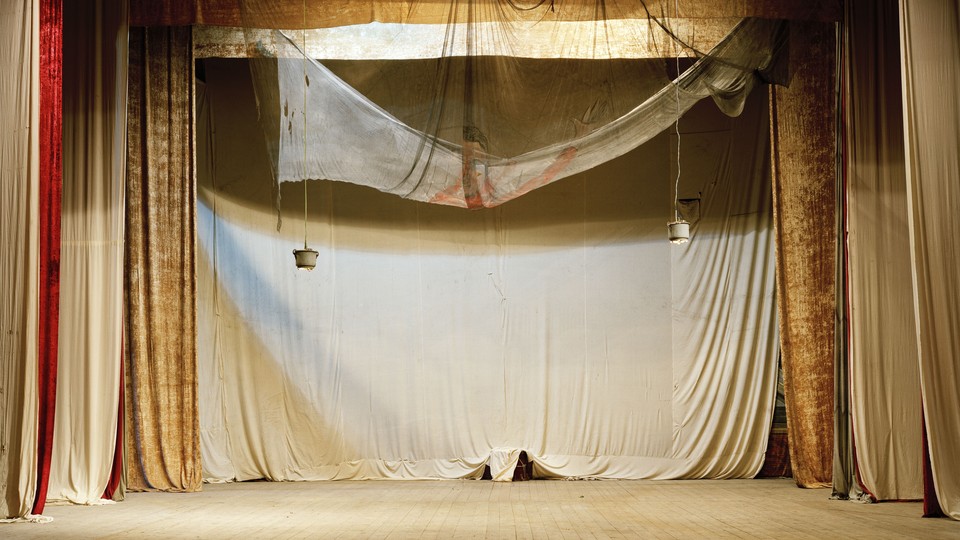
<point>930,46</point>
<point>160,306</point>
<point>330,13</point>
<point>19,257</point>
<point>804,176</point>
<point>94,156</point>
<point>51,184</point>
<point>480,130</point>
<point>430,341</point>
<point>884,376</point>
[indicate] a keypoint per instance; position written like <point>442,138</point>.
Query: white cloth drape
<point>884,375</point>
<point>88,376</point>
<point>428,338</point>
<point>19,226</point>
<point>930,47</point>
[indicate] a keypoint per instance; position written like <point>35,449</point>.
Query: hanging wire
<point>676,187</point>
<point>306,85</point>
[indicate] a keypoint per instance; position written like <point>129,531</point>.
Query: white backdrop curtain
<point>930,46</point>
<point>430,338</point>
<point>94,126</point>
<point>884,375</point>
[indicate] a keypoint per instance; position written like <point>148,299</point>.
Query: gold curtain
<point>804,176</point>
<point>163,437</point>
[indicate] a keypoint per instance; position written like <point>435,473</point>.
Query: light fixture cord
<point>303,36</point>
<point>676,187</point>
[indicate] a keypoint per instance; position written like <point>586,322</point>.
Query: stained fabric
<point>804,177</point>
<point>160,306</point>
<point>94,154</point>
<point>430,341</point>
<point>19,254</point>
<point>327,13</point>
<point>51,185</point>
<point>930,45</point>
<point>482,130</point>
<point>884,376</point>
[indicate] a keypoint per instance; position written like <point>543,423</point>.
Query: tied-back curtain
<point>94,156</point>
<point>930,46</point>
<point>884,377</point>
<point>160,314</point>
<point>804,175</point>
<point>19,232</point>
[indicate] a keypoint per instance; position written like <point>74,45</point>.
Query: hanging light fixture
<point>678,230</point>
<point>306,258</point>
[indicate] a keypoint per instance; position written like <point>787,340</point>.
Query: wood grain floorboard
<point>483,509</point>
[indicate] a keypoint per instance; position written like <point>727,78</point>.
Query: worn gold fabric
<point>804,175</point>
<point>328,13</point>
<point>161,419</point>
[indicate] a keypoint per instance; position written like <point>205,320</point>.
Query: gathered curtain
<point>159,308</point>
<point>20,289</point>
<point>804,195</point>
<point>929,47</point>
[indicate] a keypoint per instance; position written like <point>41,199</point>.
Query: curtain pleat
<point>328,13</point>
<point>930,46</point>
<point>804,176</point>
<point>51,187</point>
<point>160,357</point>
<point>94,88</point>
<point>884,379</point>
<point>19,258</point>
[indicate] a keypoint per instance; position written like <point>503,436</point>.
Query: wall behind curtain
<point>804,162</point>
<point>163,449</point>
<point>930,46</point>
<point>95,64</point>
<point>430,339</point>
<point>19,230</point>
<point>884,376</point>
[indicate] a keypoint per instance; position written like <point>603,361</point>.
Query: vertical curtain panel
<point>19,231</point>
<point>160,357</point>
<point>804,176</point>
<point>51,186</point>
<point>884,377</point>
<point>94,156</point>
<point>930,46</point>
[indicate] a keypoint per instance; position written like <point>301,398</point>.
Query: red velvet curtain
<point>51,188</point>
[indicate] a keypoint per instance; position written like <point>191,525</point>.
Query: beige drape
<point>19,180</point>
<point>88,384</point>
<point>804,175</point>
<point>328,13</point>
<point>161,420</point>
<point>884,377</point>
<point>930,47</point>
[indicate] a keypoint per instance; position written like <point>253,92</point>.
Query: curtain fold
<point>94,128</point>
<point>160,306</point>
<point>328,13</point>
<point>884,377</point>
<point>19,257</point>
<point>431,340</point>
<point>930,46</point>
<point>51,187</point>
<point>804,176</point>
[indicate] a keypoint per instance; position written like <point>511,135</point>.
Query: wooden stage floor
<point>483,509</point>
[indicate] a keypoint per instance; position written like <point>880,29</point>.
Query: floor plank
<point>483,509</point>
